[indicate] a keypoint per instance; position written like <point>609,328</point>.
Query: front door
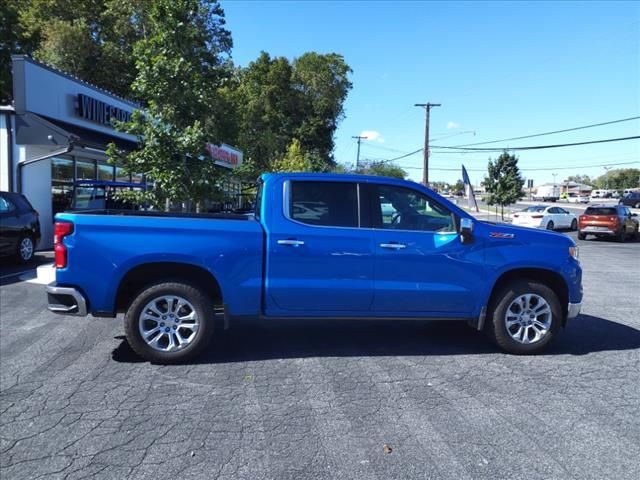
<point>318,259</point>
<point>422,268</point>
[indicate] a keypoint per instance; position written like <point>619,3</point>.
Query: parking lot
<point>327,400</point>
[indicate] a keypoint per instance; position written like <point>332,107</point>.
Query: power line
<point>538,147</point>
<point>442,169</point>
<point>553,132</point>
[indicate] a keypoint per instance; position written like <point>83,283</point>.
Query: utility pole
<point>425,154</point>
<point>359,138</point>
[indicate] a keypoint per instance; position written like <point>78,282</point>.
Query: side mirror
<point>466,230</point>
<point>634,214</point>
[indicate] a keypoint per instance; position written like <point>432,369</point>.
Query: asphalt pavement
<point>320,400</point>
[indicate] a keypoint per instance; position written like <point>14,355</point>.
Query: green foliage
<point>383,169</point>
<point>179,64</point>
<point>13,39</point>
<point>619,179</point>
<point>295,160</point>
<point>584,179</point>
<point>459,186</point>
<point>275,102</point>
<point>503,182</point>
<point>92,39</point>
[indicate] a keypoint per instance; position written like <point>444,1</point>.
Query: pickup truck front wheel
<point>169,322</point>
<point>526,316</point>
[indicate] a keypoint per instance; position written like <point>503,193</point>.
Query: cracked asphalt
<point>297,400</point>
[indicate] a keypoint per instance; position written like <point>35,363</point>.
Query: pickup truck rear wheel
<point>169,322</point>
<point>526,316</point>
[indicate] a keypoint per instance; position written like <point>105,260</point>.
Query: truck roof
<point>334,176</point>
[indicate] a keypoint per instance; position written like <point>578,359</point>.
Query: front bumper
<point>573,310</point>
<point>65,300</point>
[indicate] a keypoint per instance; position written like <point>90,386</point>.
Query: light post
<point>606,178</point>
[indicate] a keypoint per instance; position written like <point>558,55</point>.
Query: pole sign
<point>225,155</point>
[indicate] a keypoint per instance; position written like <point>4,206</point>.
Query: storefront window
<point>85,169</point>
<point>105,172</point>
<point>62,169</point>
<point>121,175</point>
<point>137,178</point>
<point>61,184</point>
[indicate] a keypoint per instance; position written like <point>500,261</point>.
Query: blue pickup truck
<point>318,246</point>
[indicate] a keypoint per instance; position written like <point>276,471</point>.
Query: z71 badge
<point>501,235</point>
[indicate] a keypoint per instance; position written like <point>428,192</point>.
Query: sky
<point>499,69</point>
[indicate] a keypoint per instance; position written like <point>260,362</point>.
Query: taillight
<point>613,219</point>
<point>61,230</point>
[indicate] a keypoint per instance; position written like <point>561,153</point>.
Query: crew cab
<point>318,246</point>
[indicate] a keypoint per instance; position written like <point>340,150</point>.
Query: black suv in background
<point>631,200</point>
<point>19,227</point>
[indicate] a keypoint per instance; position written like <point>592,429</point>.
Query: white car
<point>577,198</point>
<point>543,216</point>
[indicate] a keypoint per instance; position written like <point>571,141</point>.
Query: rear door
<point>421,267</point>
<point>319,260</point>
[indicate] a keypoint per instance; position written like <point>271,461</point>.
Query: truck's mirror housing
<point>466,230</point>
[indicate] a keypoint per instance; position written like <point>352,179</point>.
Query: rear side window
<point>332,204</point>
<point>600,211</point>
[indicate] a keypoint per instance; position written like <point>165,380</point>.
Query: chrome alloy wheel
<point>168,323</point>
<point>26,249</point>
<point>528,318</point>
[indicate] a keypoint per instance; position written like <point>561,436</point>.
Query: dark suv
<point>19,227</point>
<point>631,200</point>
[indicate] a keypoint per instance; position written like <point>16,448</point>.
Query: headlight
<point>573,251</point>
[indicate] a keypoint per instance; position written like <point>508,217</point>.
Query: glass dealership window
<point>121,175</point>
<point>85,169</point>
<point>62,169</point>
<point>105,172</point>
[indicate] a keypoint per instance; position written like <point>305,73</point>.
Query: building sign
<point>224,155</point>
<point>100,112</point>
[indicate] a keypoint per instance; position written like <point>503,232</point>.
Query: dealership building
<point>56,133</point>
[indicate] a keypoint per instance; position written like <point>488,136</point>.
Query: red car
<point>608,221</point>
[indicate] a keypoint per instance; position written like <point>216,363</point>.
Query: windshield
<point>534,209</point>
<point>600,211</point>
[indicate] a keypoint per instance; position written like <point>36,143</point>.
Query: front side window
<point>6,206</point>
<point>406,209</point>
<point>324,203</point>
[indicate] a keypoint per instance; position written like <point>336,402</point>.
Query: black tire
<point>582,236</point>
<point>22,255</point>
<point>550,225</point>
<point>574,225</point>
<point>504,298</point>
<point>202,304</point>
<point>622,236</point>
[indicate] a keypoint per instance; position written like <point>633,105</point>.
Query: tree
<point>295,160</point>
<point>180,64</point>
<point>584,179</point>
<point>619,179</point>
<point>459,186</point>
<point>503,182</point>
<point>384,169</point>
<point>276,101</point>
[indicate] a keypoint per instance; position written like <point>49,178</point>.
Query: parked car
<point>631,199</point>
<point>577,198</point>
<point>608,221</point>
<point>19,227</point>
<point>543,216</point>
<point>337,257</point>
<point>598,194</point>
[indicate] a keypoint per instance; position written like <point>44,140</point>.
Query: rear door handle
<point>294,243</point>
<point>393,246</point>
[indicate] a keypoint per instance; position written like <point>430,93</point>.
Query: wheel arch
<point>551,279</point>
<point>143,275</point>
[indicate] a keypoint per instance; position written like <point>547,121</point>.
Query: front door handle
<point>294,243</point>
<point>393,246</point>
